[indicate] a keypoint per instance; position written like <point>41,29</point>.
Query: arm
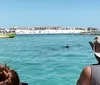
<point>85,76</point>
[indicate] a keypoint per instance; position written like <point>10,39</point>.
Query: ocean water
<point>45,60</point>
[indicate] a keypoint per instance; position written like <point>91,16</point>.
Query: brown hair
<point>8,76</point>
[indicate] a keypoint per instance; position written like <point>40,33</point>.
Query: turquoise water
<point>44,59</point>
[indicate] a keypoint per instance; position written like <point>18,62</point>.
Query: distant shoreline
<point>53,30</point>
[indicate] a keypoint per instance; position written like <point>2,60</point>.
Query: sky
<point>63,13</point>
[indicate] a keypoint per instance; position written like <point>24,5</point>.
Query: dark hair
<point>8,76</point>
<point>98,59</point>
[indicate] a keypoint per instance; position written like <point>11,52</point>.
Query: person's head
<point>96,47</point>
<point>8,76</point>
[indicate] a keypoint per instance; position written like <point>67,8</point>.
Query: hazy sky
<point>64,13</point>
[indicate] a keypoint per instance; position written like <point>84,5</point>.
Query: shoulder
<point>85,76</point>
<point>86,72</point>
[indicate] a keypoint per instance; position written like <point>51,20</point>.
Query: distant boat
<point>9,34</point>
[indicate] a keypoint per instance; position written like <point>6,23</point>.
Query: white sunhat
<point>96,46</point>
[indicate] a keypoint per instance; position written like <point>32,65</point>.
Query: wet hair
<point>8,76</point>
<point>67,46</point>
